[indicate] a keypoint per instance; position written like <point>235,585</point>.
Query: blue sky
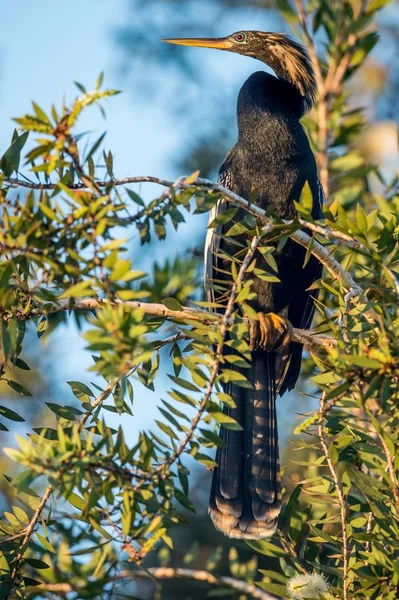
<point>44,48</point>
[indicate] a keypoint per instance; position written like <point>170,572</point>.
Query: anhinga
<point>271,162</point>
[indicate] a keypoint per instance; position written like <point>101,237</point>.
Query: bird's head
<point>288,59</point>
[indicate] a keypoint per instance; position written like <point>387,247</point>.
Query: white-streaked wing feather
<point>212,240</point>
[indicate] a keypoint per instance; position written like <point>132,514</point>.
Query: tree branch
<point>340,495</point>
<point>184,315</point>
<point>322,108</point>
<point>50,489</point>
<point>167,573</point>
<point>29,530</point>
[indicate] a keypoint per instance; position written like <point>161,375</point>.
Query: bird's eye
<point>240,37</point>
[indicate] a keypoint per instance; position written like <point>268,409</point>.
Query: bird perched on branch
<point>270,164</point>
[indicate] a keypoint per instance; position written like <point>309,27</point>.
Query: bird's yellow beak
<point>219,43</point>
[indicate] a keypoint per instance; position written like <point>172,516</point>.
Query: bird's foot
<point>270,332</point>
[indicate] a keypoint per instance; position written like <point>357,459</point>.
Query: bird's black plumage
<point>271,162</point>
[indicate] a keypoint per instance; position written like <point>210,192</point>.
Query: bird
<point>269,165</point>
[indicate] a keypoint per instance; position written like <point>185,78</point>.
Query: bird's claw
<point>270,332</point>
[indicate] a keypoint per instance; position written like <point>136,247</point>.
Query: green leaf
<point>126,513</point>
<point>76,501</point>
<point>307,198</point>
<point>361,219</point>
<point>211,437</point>
<point>184,500</point>
<point>40,113</point>
<point>326,378</point>
<point>118,399</point>
<point>20,514</point>
<point>334,453</point>
<point>274,588</point>
<point>266,548</point>
<point>79,290</point>
<point>36,564</point>
<point>109,162</point>
<point>228,375</point>
<point>29,582</point>
<point>225,420</point>
<point>9,162</point>
<point>21,364</point>
<point>10,414</point>
<point>362,361</point>
<point>49,212</point>
<point>45,543</point>
<point>64,412</point>
<point>135,197</point>
<point>172,304</point>
<point>23,480</point>
<point>17,387</point>
<point>192,178</point>
<point>4,566</point>
<point>184,384</point>
<point>95,146</point>
<point>224,217</point>
<point>80,390</point>
<point>287,11</point>
<point>291,504</point>
<point>166,429</point>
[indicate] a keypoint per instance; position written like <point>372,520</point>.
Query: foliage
<point>91,507</point>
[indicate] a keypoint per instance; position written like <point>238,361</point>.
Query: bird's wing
<point>212,243</point>
<point>212,240</point>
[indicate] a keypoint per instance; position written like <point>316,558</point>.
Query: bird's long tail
<point>245,496</point>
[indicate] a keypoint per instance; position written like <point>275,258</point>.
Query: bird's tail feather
<point>245,496</point>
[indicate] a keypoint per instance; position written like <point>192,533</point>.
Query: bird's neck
<point>298,78</point>
<point>264,100</point>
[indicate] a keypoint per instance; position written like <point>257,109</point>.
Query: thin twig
<point>340,495</point>
<point>310,44</point>
<point>322,109</point>
<point>290,549</point>
<point>392,472</point>
<point>99,400</point>
<point>29,530</point>
<point>334,234</point>
<point>12,538</point>
<point>14,182</point>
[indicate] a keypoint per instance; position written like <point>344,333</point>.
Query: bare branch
<point>184,315</point>
<point>167,573</point>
